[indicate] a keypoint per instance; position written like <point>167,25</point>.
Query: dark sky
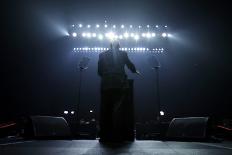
<point>38,73</point>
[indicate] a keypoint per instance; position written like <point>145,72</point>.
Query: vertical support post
<point>79,96</point>
<point>157,92</point>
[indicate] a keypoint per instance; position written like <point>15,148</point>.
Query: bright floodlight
<point>88,35</point>
<point>107,34</point>
<point>148,35</point>
<point>153,34</point>
<point>166,26</point>
<point>143,35</point>
<point>72,112</point>
<point>122,26</point>
<point>105,26</point>
<point>126,35</point>
<point>148,26</point>
<point>94,35</point>
<point>140,26</point>
<point>157,26</point>
<point>83,34</point>
<point>100,36</point>
<point>120,37</point>
<point>80,25</point>
<point>164,34</point>
<point>169,35</point>
<point>64,32</point>
<point>90,111</point>
<point>161,113</point>
<point>88,26</point>
<point>73,25</point>
<point>131,26</point>
<point>136,37</point>
<point>110,35</point>
<point>114,26</point>
<point>74,34</point>
<point>132,35</point>
<point>65,112</point>
<point>97,26</point>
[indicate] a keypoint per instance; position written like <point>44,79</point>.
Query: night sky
<point>39,72</point>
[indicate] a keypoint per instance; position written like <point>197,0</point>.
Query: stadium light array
<point>127,49</point>
<point>121,26</point>
<point>126,32</point>
<point>115,36</point>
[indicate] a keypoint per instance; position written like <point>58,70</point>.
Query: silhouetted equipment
<point>47,127</point>
<point>188,128</point>
<point>151,130</point>
<point>87,129</point>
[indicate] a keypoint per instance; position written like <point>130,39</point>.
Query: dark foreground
<point>93,147</point>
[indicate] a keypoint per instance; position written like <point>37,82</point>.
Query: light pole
<point>157,67</point>
<point>157,92</point>
<point>82,66</point>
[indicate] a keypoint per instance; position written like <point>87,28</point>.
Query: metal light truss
<point>118,32</point>
<point>130,50</point>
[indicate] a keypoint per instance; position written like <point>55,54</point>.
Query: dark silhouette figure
<point>114,85</point>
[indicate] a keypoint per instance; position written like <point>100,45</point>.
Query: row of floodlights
<point>114,36</point>
<point>117,26</point>
<point>136,49</point>
<point>91,111</point>
<point>66,112</point>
